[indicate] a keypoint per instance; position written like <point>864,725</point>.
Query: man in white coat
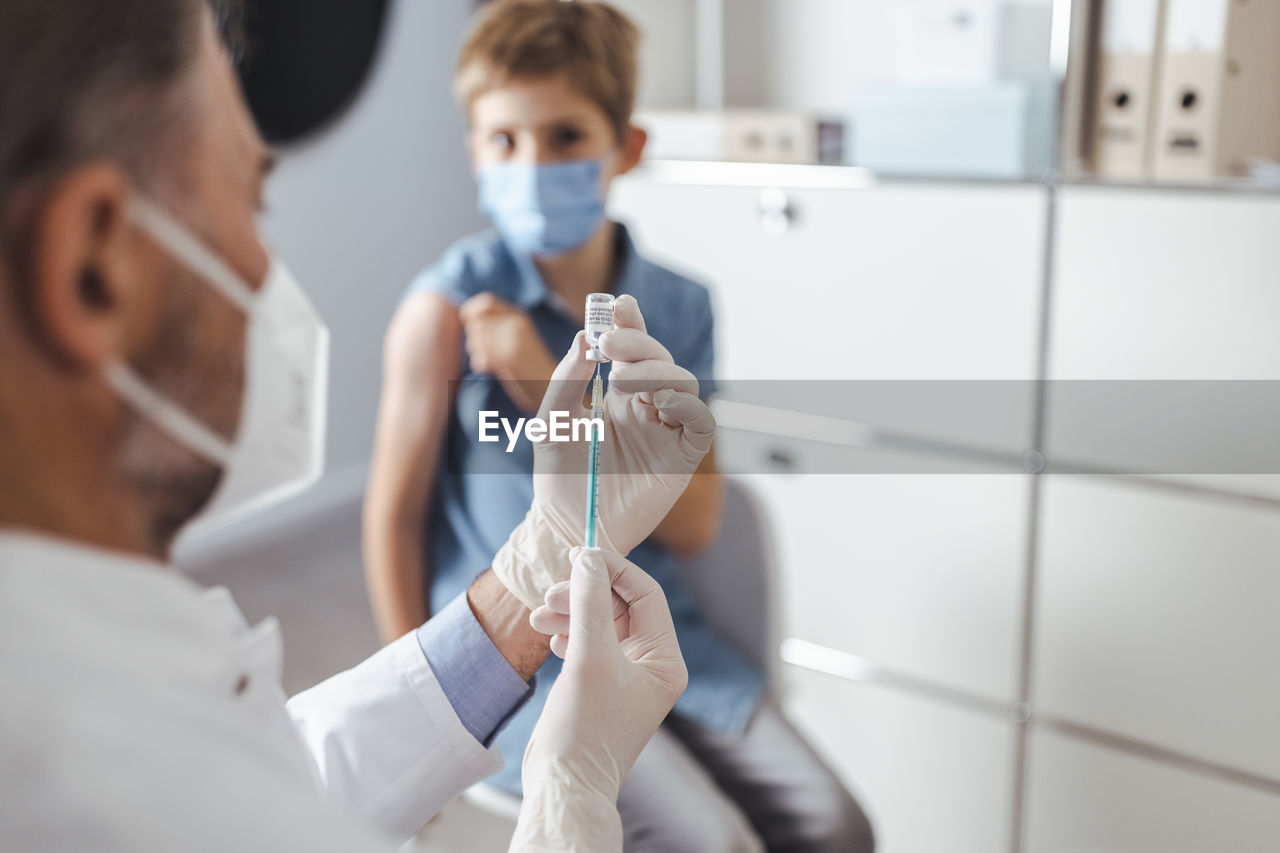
<point>156,363</point>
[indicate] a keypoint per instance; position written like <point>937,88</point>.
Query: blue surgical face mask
<point>543,209</point>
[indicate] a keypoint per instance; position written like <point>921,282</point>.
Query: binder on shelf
<point>1218,107</point>
<point>1124,100</point>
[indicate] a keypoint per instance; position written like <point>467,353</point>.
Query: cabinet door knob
<point>776,211</point>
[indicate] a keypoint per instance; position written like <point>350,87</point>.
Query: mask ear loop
<point>194,254</point>
<point>168,417</point>
<point>172,420</point>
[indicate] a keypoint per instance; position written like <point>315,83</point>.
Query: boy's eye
<point>502,141</point>
<point>566,136</point>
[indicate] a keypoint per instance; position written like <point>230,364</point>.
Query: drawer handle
<point>781,459</point>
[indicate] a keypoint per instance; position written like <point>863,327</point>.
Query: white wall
<point>667,51</point>
<point>808,54</point>
<point>800,54</point>
<point>803,54</point>
<point>357,212</point>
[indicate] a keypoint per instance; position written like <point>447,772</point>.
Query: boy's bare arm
<point>421,356</point>
<point>694,522</point>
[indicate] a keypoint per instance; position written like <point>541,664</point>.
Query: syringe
<point>598,320</point>
<point>593,467</point>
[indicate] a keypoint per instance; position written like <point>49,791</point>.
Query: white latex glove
<point>622,673</point>
<point>656,433</point>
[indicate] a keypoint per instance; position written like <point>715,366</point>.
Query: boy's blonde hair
<point>593,43</point>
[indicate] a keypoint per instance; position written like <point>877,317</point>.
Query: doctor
<point>156,364</point>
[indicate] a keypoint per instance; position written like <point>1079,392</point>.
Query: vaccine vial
<point>599,319</point>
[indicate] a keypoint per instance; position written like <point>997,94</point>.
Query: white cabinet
<point>1154,616</point>
<point>1168,286</point>
<point>920,568</point>
<point>932,778</point>
<point>892,281</point>
<point>1165,285</point>
<point>1156,619</point>
<point>919,574</point>
<point>1085,798</point>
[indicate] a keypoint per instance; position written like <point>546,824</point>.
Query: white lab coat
<point>141,713</point>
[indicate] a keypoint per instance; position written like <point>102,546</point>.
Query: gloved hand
<point>656,431</point>
<point>622,673</point>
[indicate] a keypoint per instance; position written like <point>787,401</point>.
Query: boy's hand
<point>502,341</point>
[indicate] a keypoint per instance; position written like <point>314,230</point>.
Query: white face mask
<point>279,447</point>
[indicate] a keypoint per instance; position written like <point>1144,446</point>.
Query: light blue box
<point>1000,130</point>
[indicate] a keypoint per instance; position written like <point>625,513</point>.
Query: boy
<point>548,88</point>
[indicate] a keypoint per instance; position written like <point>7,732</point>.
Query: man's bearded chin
<point>198,364</point>
<point>172,483</point>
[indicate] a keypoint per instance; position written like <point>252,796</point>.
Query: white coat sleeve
<point>387,742</point>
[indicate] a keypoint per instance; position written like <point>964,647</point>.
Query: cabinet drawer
<point>1165,285</point>
<point>890,281</point>
<point>1083,797</point>
<point>918,573</point>
<point>931,777</point>
<point>1161,285</point>
<point>1157,619</point>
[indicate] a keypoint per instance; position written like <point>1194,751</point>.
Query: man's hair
<point>92,79</point>
<point>593,43</point>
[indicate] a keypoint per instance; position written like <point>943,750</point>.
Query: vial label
<point>599,316</point>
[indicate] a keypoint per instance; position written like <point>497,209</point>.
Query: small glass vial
<point>599,319</point>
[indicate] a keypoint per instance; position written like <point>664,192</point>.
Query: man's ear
<point>85,267</point>
<point>632,149</point>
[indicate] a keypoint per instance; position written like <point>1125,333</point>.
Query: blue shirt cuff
<point>482,687</point>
